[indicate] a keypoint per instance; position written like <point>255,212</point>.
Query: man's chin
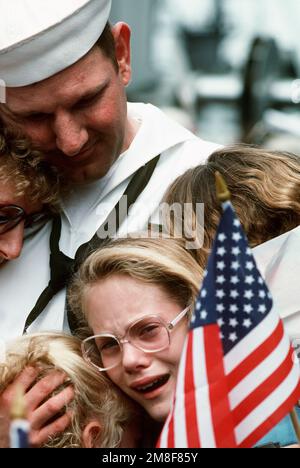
<point>85,174</point>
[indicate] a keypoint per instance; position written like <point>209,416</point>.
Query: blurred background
<point>229,70</point>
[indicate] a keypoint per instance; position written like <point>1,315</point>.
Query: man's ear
<point>122,34</point>
<point>91,435</point>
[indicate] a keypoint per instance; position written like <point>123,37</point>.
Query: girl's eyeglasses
<point>12,215</point>
<point>150,334</point>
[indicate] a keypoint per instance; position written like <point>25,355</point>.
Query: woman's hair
<point>162,262</point>
<point>95,395</point>
<point>26,169</point>
<point>265,192</point>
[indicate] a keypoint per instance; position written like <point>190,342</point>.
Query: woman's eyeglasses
<point>150,334</point>
<point>12,215</point>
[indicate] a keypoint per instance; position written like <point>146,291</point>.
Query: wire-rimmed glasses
<point>12,215</point>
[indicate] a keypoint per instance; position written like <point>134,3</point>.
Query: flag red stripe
<point>272,421</point>
<point>158,443</point>
<point>191,422</point>
<point>255,358</point>
<point>220,408</point>
<point>171,437</point>
<point>264,390</point>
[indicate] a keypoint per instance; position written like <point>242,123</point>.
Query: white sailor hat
<point>41,38</point>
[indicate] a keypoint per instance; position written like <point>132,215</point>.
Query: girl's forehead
<point>8,196</point>
<point>114,309</point>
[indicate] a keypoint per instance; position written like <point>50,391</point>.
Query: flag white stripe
<point>251,342</point>
<point>165,433</point>
<point>180,430</point>
<point>202,396</point>
<point>181,372</point>
<point>260,373</point>
<point>268,407</point>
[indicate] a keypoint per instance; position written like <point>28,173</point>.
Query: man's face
<point>78,117</point>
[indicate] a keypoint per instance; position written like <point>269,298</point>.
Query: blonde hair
<point>95,395</point>
<point>27,170</point>
<point>265,192</point>
<point>163,262</point>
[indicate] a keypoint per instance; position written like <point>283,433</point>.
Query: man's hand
<point>40,409</point>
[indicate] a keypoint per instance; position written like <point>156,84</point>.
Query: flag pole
<point>19,427</point>
<point>295,421</point>
<point>222,190</point>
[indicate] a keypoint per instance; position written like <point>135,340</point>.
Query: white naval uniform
<point>279,262</point>
<point>23,280</point>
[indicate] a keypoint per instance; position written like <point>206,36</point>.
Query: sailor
<point>65,70</point>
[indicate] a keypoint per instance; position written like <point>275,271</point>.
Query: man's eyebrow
<point>9,113</point>
<point>23,115</point>
<point>85,97</point>
<point>90,94</point>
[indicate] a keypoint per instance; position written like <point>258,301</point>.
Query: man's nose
<point>11,242</point>
<point>71,136</point>
<point>134,358</point>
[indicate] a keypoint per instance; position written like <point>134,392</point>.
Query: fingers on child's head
<point>40,437</point>
<point>44,388</point>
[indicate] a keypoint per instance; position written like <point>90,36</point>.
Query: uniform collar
<point>157,133</point>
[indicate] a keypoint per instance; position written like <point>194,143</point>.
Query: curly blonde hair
<point>160,261</point>
<point>265,192</point>
<point>95,396</point>
<point>26,169</point>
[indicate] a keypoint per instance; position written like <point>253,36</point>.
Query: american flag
<point>237,359</point>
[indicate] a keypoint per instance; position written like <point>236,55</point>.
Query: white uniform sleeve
<point>279,262</point>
